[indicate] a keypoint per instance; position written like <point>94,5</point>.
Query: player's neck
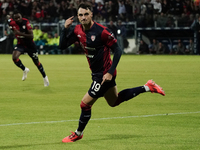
<point>88,26</point>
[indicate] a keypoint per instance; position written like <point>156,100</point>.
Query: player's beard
<point>85,22</point>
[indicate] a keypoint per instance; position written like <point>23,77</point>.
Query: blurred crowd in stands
<point>158,47</point>
<point>147,13</point>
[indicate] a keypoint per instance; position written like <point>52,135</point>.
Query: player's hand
<point>68,22</point>
<point>106,78</point>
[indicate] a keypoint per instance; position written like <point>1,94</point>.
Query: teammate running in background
<point>24,34</point>
<point>96,41</point>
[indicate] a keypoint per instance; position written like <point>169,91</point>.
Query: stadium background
<point>167,21</point>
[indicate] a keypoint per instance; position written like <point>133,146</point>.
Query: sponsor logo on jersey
<point>20,36</point>
<point>79,35</point>
<point>90,48</point>
<point>24,27</point>
<point>89,56</point>
<point>93,37</point>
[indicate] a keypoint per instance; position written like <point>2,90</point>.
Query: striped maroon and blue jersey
<point>96,44</point>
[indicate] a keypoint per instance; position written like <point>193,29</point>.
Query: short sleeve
<point>13,25</point>
<point>28,26</point>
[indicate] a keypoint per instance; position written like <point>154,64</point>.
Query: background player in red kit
<point>96,41</point>
<point>24,34</point>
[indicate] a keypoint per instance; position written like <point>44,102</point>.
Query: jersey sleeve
<point>108,37</point>
<point>12,25</point>
<point>117,54</point>
<point>28,25</point>
<point>67,38</point>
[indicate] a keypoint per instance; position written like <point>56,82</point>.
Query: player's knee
<point>37,63</point>
<point>111,104</point>
<point>85,107</point>
<point>15,59</point>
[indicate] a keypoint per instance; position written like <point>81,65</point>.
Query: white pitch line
<point>142,116</point>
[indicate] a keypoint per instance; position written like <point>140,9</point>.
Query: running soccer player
<point>24,34</point>
<point>96,41</point>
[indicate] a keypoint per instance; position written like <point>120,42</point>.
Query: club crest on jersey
<point>93,37</point>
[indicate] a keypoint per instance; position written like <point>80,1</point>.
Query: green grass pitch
<point>34,117</point>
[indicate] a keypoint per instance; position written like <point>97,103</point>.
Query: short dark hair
<point>16,12</point>
<point>85,5</point>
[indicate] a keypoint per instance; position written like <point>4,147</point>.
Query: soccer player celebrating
<point>24,34</point>
<point>96,41</point>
